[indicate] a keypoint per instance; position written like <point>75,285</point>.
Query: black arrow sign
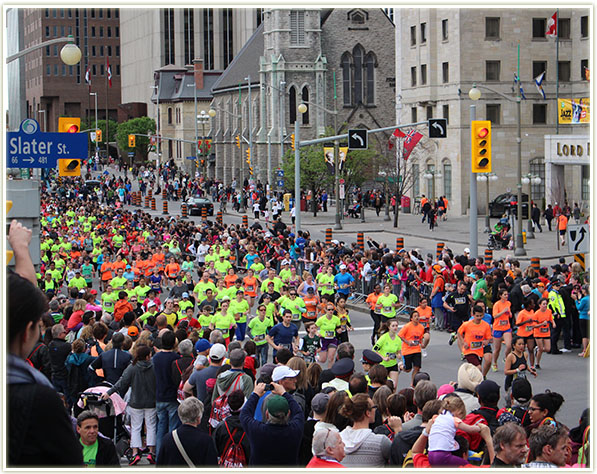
<point>582,233</point>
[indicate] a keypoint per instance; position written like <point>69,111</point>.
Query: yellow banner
<point>574,110</point>
<point>328,153</point>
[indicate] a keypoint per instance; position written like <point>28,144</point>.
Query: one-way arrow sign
<point>438,128</point>
<point>357,139</point>
<point>578,238</point>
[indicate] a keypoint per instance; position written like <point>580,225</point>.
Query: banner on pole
<point>574,110</point>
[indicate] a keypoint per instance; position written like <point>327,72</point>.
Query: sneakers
<point>136,460</point>
<point>494,367</point>
<point>424,352</point>
<point>452,338</point>
<point>537,366</point>
<point>150,458</point>
<point>563,349</point>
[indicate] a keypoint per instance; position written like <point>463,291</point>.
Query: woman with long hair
<point>389,347</point>
<point>501,326</point>
<point>542,329</point>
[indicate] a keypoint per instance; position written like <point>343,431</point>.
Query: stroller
<point>111,417</point>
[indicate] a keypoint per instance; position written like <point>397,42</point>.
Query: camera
<point>269,387</point>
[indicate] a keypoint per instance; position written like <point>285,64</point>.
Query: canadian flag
<point>552,26</point>
<point>392,141</point>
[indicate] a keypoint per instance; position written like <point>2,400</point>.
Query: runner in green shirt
<point>327,325</point>
<point>259,326</point>
<point>389,347</point>
<point>387,303</point>
<point>109,297</point>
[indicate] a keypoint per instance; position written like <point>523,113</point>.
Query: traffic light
<point>481,146</point>
<point>202,162</point>
<point>69,124</point>
<point>69,167</point>
<point>292,141</point>
<point>98,136</point>
<point>237,141</point>
<point>131,141</point>
<point>250,170</point>
<point>248,156</point>
<point>9,253</point>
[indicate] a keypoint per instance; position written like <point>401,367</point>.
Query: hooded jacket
<point>363,448</point>
<point>226,379</point>
<point>140,377</point>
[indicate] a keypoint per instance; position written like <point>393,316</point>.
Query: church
<point>340,63</point>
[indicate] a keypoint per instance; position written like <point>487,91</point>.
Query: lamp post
<point>519,244</point>
<point>475,95</point>
<point>302,108</point>
<point>203,118</point>
<point>485,178</point>
<point>431,174</point>
<point>94,94</point>
<point>70,53</point>
<point>530,179</point>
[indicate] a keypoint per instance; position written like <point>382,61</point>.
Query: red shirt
<point>316,462</point>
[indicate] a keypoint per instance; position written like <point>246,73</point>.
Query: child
<point>205,319</point>
<point>345,326</point>
<point>310,343</point>
<point>443,431</point>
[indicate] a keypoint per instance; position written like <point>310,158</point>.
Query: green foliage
<point>314,173</point>
<point>101,124</point>
<point>141,125</point>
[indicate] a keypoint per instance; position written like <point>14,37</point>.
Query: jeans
<point>262,353</point>
<point>168,420</point>
<point>440,322</point>
<point>241,329</point>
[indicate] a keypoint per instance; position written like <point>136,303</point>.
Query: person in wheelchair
<point>500,235</point>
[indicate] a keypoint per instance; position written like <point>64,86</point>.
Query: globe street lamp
<point>530,179</point>
<point>485,178</point>
<point>70,53</point>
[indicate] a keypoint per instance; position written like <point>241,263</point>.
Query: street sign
<point>280,173</point>
<point>131,154</point>
<point>30,148</point>
<point>193,158</point>
<point>357,139</point>
<point>578,238</point>
<point>438,128</point>
<point>280,183</point>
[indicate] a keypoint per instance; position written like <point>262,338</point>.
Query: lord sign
<point>30,148</point>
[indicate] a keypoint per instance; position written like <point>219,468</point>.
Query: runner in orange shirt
<point>474,336</point>
<point>106,271</point>
<point>230,278</point>
<point>525,322</point>
<point>172,270</point>
<point>425,313</point>
<point>312,302</point>
<point>542,330</point>
<point>562,226</point>
<point>376,317</point>
<point>501,327</point>
<point>250,284</point>
<point>412,335</point>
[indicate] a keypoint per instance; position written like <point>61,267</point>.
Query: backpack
<point>184,376</point>
<point>233,454</point>
<point>220,408</point>
<point>28,359</point>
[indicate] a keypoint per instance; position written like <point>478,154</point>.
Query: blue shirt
<point>583,306</point>
<point>343,279</point>
<point>283,335</point>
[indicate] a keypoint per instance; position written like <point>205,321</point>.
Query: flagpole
<point>107,130</point>
<point>89,100</point>
<point>557,70</point>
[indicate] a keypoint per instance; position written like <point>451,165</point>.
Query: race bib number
<point>503,322</point>
<point>296,317</point>
<point>249,287</point>
<point>259,338</point>
<point>387,309</point>
<point>529,328</point>
<point>476,344</point>
<point>545,329</point>
<point>329,334</point>
<point>311,314</point>
<point>392,356</point>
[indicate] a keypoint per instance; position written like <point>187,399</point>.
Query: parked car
<point>500,205</point>
<point>196,203</point>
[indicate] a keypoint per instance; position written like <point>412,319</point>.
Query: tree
<point>141,126</point>
<point>101,125</point>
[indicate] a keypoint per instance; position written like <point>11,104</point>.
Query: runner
<point>375,316</point>
<point>524,323</point>
<point>474,336</point>
<point>411,335</point>
<point>541,330</point>
<point>425,315</point>
<point>386,304</point>
<point>389,347</point>
<point>328,325</point>
<point>516,364</point>
<point>501,327</point>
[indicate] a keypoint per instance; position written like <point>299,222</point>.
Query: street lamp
<point>204,118</point>
<point>530,179</point>
<point>475,94</point>
<point>70,53</point>
<point>431,174</point>
<point>485,178</point>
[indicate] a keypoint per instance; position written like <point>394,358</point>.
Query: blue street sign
<point>280,183</point>
<point>30,148</point>
<point>191,158</point>
<point>280,173</point>
<point>131,154</point>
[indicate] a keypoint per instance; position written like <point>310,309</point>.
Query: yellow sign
<point>574,110</point>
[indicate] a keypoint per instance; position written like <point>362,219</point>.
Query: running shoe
<point>537,366</point>
<point>494,367</point>
<point>150,458</point>
<point>452,338</point>
<point>135,460</point>
<point>424,352</point>
<point>563,349</point>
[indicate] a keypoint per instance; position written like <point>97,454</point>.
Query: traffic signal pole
<point>473,236</point>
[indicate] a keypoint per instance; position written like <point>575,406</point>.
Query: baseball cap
<point>283,372</point>
<point>488,391</point>
<point>335,242</point>
<point>277,405</point>
<point>133,331</point>
<point>320,402</point>
<point>217,352</point>
<point>151,304</point>
<point>93,292</point>
<point>310,290</point>
<point>185,294</point>
<point>202,345</point>
<point>342,267</point>
<point>437,268</point>
<point>467,250</point>
<point>521,390</point>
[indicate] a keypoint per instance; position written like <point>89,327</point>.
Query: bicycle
<point>417,207</point>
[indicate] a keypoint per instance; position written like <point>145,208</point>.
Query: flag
<point>328,154</point>
<point>392,141</point>
<point>88,76</point>
<point>109,72</point>
<point>410,142</point>
<point>552,26</point>
<point>517,80</point>
<point>539,82</point>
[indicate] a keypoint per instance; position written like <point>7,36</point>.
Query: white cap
<point>283,372</point>
<point>217,351</point>
<point>342,267</point>
<point>150,304</point>
<point>335,242</point>
<point>467,250</point>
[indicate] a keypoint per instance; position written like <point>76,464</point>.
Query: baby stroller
<point>111,416</point>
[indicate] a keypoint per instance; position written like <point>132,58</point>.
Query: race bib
<point>545,329</point>
<point>296,317</point>
<point>249,287</point>
<point>311,314</point>
<point>259,338</point>
<point>329,334</point>
<point>387,309</point>
<point>476,344</point>
<point>529,328</point>
<point>392,356</point>
<point>503,322</point>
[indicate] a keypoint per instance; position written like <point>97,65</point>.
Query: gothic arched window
<point>370,65</point>
<point>345,65</point>
<point>358,53</point>
<point>292,103</point>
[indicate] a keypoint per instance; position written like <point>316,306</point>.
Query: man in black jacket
<point>114,361</point>
<point>97,450</point>
<point>59,351</point>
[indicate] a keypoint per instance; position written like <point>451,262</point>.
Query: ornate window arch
<point>358,55</point>
<point>346,66</point>
<point>292,104</point>
<point>369,68</point>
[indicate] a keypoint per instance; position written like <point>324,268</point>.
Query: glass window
<point>94,68</point>
<point>586,190</point>
<point>62,31</point>
<point>537,168</point>
<point>169,115</point>
<point>492,28</point>
<point>539,28</point>
<point>47,50</point>
<point>539,67</point>
<point>564,71</point>
<point>305,97</point>
<point>70,70</point>
<point>423,32</point>
<point>108,13</point>
<point>55,69</point>
<point>117,31</point>
<point>48,70</point>
<point>55,50</point>
<point>70,12</point>
<point>413,76</point>
<point>370,62</point>
<point>101,31</point>
<point>101,69</point>
<point>584,26</point>
<point>53,13</point>
<point>101,50</point>
<point>62,13</point>
<point>118,69</point>
<point>413,35</point>
<point>444,30</point>
<point>429,110</point>
<point>116,13</point>
<point>292,104</point>
<point>539,114</point>
<point>93,51</point>
<point>492,70</point>
<point>101,12</point>
<point>118,51</point>
<point>93,13</point>
<point>358,57</point>
<point>345,65</point>
<point>47,13</point>
<point>584,66</point>
<point>297,28</point>
<point>416,180</point>
<point>493,113</point>
<point>93,31</point>
<point>446,112</point>
<point>64,69</point>
<point>413,114</point>
<point>109,49</point>
<point>109,32</point>
<point>447,177</point>
<point>564,28</point>
<point>423,74</point>
<point>445,73</point>
<point>47,31</point>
